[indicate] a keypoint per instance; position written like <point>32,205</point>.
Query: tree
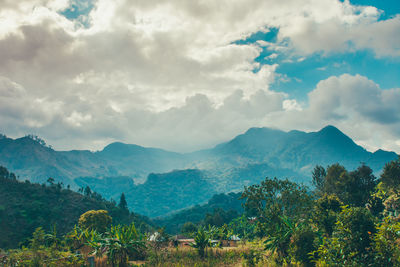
<point>391,175</point>
<point>122,202</point>
<point>287,198</point>
<point>326,210</point>
<point>4,173</point>
<point>352,188</point>
<point>98,220</point>
<point>361,185</point>
<point>278,206</point>
<point>352,240</point>
<point>201,242</point>
<point>189,228</point>
<point>50,180</point>
<point>318,178</point>
<point>88,192</point>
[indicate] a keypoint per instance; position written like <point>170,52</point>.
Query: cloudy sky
<point>184,75</point>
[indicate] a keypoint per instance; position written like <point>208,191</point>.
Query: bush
<point>302,244</point>
<point>351,240</point>
<point>386,243</point>
<point>97,220</point>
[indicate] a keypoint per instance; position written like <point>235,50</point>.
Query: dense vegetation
<point>348,218</point>
<point>24,206</point>
<point>220,209</point>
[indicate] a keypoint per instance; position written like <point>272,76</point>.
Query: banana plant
<point>201,241</point>
<point>121,242</point>
<point>280,238</point>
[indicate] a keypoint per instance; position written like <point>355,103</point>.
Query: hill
<point>24,206</point>
<point>160,194</point>
<point>221,203</point>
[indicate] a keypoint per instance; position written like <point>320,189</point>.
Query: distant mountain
<point>30,159</point>
<point>295,150</point>
<point>244,160</point>
<point>160,194</point>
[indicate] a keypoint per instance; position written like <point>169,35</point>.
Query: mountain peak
<point>330,129</point>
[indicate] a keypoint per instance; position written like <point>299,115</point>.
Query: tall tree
<point>391,175</point>
<point>122,202</point>
<point>318,178</point>
<point>88,192</point>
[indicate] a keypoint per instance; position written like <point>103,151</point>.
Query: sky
<point>187,75</point>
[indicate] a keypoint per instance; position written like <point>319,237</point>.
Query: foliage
<point>39,257</point>
<point>386,243</point>
<point>391,175</point>
<point>189,228</point>
<point>98,220</point>
<point>326,210</point>
<point>219,217</point>
<point>243,227</point>
<point>190,257</point>
<point>318,178</point>
<point>201,241</point>
<point>229,203</point>
<point>24,206</point>
<point>354,188</point>
<point>122,202</point>
<point>303,243</point>
<point>351,241</point>
<point>120,243</point>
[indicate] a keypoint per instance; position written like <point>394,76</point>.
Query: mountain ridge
<point>244,160</point>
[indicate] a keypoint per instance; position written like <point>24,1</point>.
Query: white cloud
<point>355,104</point>
<point>170,74</point>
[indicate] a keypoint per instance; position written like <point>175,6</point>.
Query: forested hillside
<point>220,209</point>
<point>24,206</point>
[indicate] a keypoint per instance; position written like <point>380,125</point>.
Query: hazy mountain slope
<point>31,160</point>
<point>244,160</point>
<point>295,150</point>
<point>137,162</point>
<point>160,194</point>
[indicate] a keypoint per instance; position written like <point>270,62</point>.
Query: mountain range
<point>157,182</point>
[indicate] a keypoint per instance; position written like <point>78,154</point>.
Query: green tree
<point>351,241</point>
<point>386,247</point>
<point>326,211</point>
<point>189,228</point>
<point>201,242</point>
<point>391,175</point>
<point>278,206</point>
<point>354,188</point>
<point>318,178</point>
<point>303,242</point>
<point>98,220</point>
<point>88,191</point>
<point>122,202</point>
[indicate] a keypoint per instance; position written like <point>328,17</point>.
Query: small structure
<point>181,241</point>
<point>233,240</point>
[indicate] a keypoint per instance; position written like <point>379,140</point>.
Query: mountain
<point>297,151</point>
<point>31,159</point>
<point>157,182</point>
<point>160,194</point>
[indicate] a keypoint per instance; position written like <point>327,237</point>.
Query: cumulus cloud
<point>171,74</point>
<point>355,104</point>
